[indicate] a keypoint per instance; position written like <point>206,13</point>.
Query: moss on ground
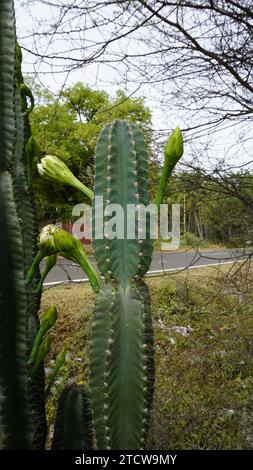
<point>203,322</point>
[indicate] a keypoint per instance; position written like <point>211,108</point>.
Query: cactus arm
<point>27,217</point>
<point>60,361</point>
<point>98,355</point>
<point>73,428</point>
<point>36,391</point>
<point>7,83</point>
<point>120,168</point>
<point>120,368</point>
<point>18,432</point>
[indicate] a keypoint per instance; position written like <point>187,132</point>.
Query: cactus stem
<point>33,268</point>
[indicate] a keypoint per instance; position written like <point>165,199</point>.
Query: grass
<point>204,380</point>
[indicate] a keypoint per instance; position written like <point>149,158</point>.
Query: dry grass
<point>204,381</point>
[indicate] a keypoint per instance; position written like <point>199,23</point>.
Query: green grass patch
<point>203,323</point>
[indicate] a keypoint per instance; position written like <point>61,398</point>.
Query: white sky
<point>101,77</point>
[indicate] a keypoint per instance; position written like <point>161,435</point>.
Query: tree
<point>68,126</point>
<point>197,54</point>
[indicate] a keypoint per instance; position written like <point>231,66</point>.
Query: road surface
<point>161,262</point>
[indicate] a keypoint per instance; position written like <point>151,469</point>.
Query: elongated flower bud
<point>60,361</point>
<point>71,248</point>
<point>31,150</point>
<point>53,241</point>
<point>173,151</point>
<point>48,319</point>
<point>54,169</point>
<point>174,148</point>
<point>42,352</point>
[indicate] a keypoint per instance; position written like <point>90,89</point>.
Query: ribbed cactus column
<point>16,428</point>
<point>16,423</point>
<point>26,211</point>
<point>121,178</point>
<point>121,367</point>
<point>73,425</point>
<point>121,351</point>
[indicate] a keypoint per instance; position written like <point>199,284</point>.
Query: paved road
<point>162,261</point>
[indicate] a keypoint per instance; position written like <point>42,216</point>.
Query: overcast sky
<point>164,115</point>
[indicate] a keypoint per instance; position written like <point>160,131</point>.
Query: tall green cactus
<point>121,178</point>
<point>121,352</point>
<point>16,425</point>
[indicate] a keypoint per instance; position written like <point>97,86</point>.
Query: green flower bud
<point>55,241</point>
<point>174,148</point>
<point>48,319</point>
<point>173,151</point>
<point>42,353</point>
<point>31,148</point>
<point>54,169</point>
<point>71,248</point>
<point>46,242</point>
<point>60,361</point>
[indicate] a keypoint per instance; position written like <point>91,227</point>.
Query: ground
<point>203,324</point>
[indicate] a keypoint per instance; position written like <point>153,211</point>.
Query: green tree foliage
<point>68,126</point>
<point>218,209</point>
